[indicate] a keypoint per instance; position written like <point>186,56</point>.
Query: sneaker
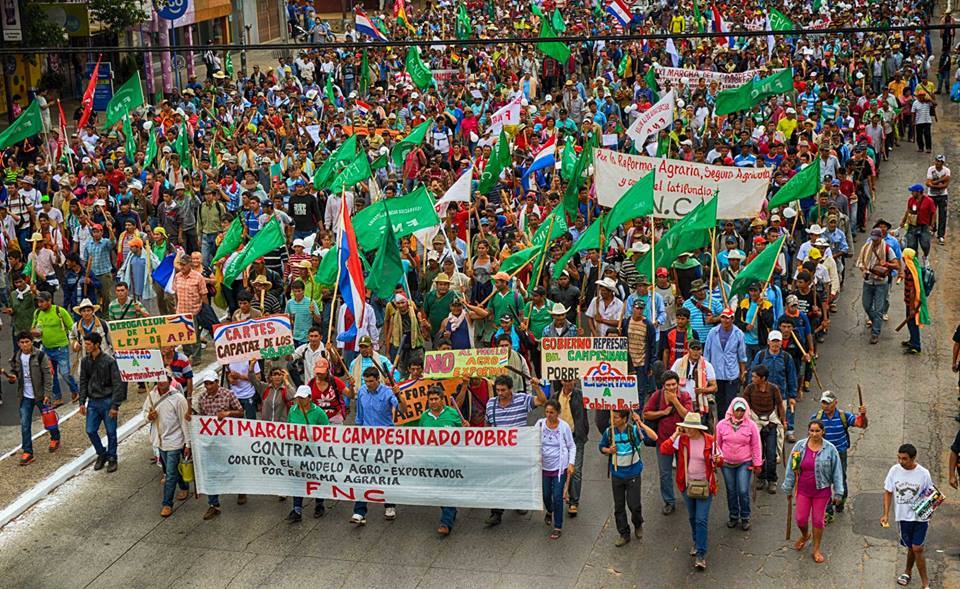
<point>745,525</point>
<point>886,317</point>
<point>26,459</point>
<point>493,519</point>
<point>101,460</point>
<point>668,508</point>
<point>211,512</point>
<point>443,531</point>
<point>940,240</point>
<point>732,523</point>
<point>621,541</point>
<point>54,446</point>
<point>911,351</point>
<point>390,514</point>
<point>358,520</point>
<point>294,517</point>
<point>182,495</point>
<point>167,511</point>
<point>112,465</point>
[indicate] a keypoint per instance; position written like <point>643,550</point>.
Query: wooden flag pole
<point>543,258</point>
<point>816,376</point>
<point>713,264</point>
<point>512,274</point>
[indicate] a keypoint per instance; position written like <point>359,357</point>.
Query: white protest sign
<point>314,132</point>
<point>608,389</point>
<point>681,185</point>
<point>466,467</point>
<point>263,337</point>
<point>724,80</point>
<point>653,120</point>
<point>139,365</point>
<point>509,114</point>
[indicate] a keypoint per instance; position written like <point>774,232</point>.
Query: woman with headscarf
<point>738,439</point>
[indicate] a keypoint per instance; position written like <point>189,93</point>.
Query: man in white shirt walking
<point>938,182</point>
<point>906,482</point>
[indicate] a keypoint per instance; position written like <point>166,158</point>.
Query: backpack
<point>929,279</point>
<point>843,420</point>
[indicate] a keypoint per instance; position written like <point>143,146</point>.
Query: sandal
<point>801,543</point>
<point>818,557</point>
<point>548,518</point>
<point>904,580</point>
<point>555,534</point>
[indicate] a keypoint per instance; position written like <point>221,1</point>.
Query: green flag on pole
<point>232,239</point>
<point>804,183</point>
<point>327,171</point>
<point>408,214</point>
<point>328,91</point>
<point>696,16</point>
<point>499,159</point>
<point>419,72</point>
<point>228,65</point>
<point>380,162</point>
<point>408,143</point>
<point>554,49</point>
<point>651,79</point>
<point>27,125</point>
<point>779,21</point>
<point>151,148</point>
<point>387,269</point>
<point>758,270</point>
<point>571,196</point>
<point>753,92</point>
<point>130,141</point>
<point>464,26</point>
<point>520,258</point>
<point>265,241</point>
<point>635,202</point>
<point>182,146</point>
<point>556,21</point>
<point>125,99</point>
<point>326,274</point>
<point>355,172</point>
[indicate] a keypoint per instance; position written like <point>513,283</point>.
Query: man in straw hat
<point>605,310</point>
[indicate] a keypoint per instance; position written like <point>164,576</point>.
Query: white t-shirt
<point>906,486</point>
<point>27,379</point>
<point>690,383</point>
<point>934,174</point>
<point>609,312</point>
<point>243,388</point>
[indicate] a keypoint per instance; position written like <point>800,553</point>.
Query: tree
<point>117,15</point>
<point>38,30</point>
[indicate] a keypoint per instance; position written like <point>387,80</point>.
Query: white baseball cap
<point>775,336</point>
<point>208,376</point>
<point>303,392</point>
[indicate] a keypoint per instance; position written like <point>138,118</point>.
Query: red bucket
<point>51,420</point>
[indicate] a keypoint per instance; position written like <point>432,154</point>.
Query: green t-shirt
<point>501,304</point>
<point>314,416</point>
<point>54,324</point>
<point>22,311</point>
<point>128,310</point>
<point>437,308</point>
<point>539,318</point>
<point>449,417</point>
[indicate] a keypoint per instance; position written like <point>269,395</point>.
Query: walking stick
<point>860,394</point>
<point>789,515</point>
<point>813,366</point>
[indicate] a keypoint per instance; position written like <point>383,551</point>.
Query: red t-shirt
<point>924,208</point>
<point>667,425</point>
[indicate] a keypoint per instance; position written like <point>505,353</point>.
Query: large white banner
<point>508,114</point>
<point>460,467</point>
<point>724,80</point>
<point>680,185</point>
<point>653,120</point>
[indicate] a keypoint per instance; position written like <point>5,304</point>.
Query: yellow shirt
<point>787,126</point>
<point>897,88</point>
<point>678,24</point>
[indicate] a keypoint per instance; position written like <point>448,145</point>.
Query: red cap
<point>727,312</point>
<point>97,226</point>
<point>759,239</point>
<point>661,272</point>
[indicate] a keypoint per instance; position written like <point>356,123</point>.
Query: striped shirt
<point>697,320</point>
<point>833,430</point>
<point>513,415</point>
<point>100,255</point>
<point>922,112</point>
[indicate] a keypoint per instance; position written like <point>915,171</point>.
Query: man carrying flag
<point>355,319</point>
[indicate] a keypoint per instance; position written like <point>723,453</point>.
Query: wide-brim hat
<point>262,279</point>
<point>559,309</point>
<point>86,303</point>
<point>692,421</point>
<point>607,283</point>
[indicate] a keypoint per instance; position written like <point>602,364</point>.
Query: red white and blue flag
<point>350,274</point>
<point>365,26</point>
<point>721,26</point>
<point>545,158</point>
<point>363,108</point>
<point>620,11</point>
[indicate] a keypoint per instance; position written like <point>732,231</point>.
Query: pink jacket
<point>740,444</point>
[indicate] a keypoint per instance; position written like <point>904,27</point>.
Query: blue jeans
<point>699,512</point>
<point>576,481</point>
<point>873,299</point>
<point>665,466</point>
<point>170,459</point>
<point>553,496</point>
<point>208,247</point>
<point>60,357</point>
<point>768,442</point>
<point>249,408</point>
<point>448,515</point>
<point>213,500</point>
<point>914,330</point>
<point>26,424</point>
<point>737,481</point>
<point>98,411</point>
<point>360,507</point>
<point>303,234</point>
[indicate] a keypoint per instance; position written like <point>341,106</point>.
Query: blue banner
<point>171,9</point>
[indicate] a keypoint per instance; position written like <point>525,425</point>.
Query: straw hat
<point>84,304</point>
<point>692,421</point>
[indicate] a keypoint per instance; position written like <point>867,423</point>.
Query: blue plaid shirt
<point>100,254</point>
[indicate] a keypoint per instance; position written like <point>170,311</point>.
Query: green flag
<point>419,72</point>
<point>364,73</point>
<point>27,125</point>
<point>408,213</point>
<point>753,92</point>
<point>130,141</point>
<point>651,79</point>
<point>589,239</point>
<point>464,26</point>
<point>556,21</point>
<point>554,49</point>
<point>758,270</point>
<point>380,162</point>
<point>499,159</point>
<point>228,65</point>
<point>696,16</point>
<point>690,233</point>
<point>387,269</point>
<point>816,5</point>
<point>326,274</point>
<point>276,170</point>
<point>265,241</point>
<point>559,221</point>
<point>520,258</point>
<point>357,171</point>
<point>151,148</point>
<point>328,90</point>
<point>231,241</point>
<point>571,196</point>
<point>635,202</point>
<point>125,99</point>
<point>804,183</point>
<point>779,21</point>
<point>568,159</point>
<point>182,146</point>
<point>327,171</point>
<point>408,143</point>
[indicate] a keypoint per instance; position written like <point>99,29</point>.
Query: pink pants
<point>807,506</point>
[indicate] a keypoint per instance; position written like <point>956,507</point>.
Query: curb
<point>29,498</point>
<point>40,433</point>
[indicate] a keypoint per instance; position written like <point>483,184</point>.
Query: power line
<point>476,42</point>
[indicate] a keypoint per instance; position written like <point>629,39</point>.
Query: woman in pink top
<point>738,438</point>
